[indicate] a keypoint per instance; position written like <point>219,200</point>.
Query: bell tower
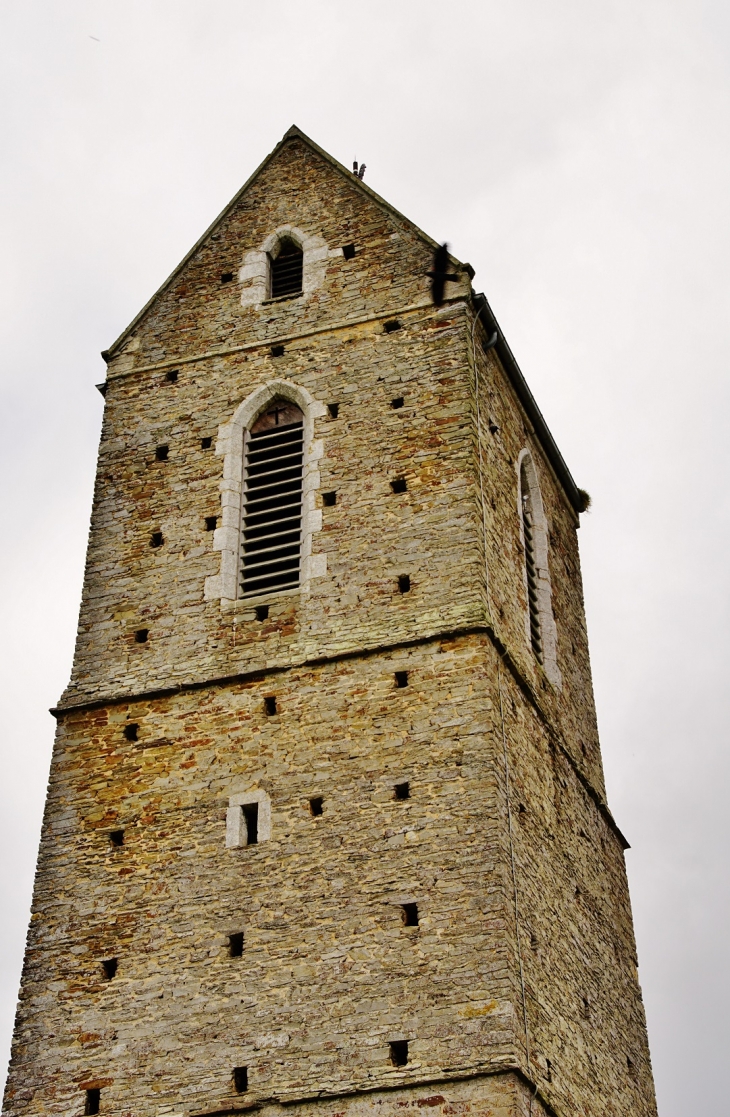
<point>326,829</point>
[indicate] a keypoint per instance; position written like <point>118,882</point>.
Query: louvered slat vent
<point>286,271</point>
<point>531,569</point>
<point>272,513</point>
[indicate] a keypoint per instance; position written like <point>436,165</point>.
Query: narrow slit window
<point>235,944</point>
<point>248,820</point>
<point>251,818</point>
<point>533,600</point>
<point>272,509</point>
<point>287,270</point>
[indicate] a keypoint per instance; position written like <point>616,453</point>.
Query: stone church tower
<point>326,830</point>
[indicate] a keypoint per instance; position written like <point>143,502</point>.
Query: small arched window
<point>271,537</point>
<point>541,629</point>
<point>286,270</point>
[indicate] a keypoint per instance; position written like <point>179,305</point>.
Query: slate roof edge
<point>516,378</point>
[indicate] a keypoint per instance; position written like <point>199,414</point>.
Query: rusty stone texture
<point>505,844</point>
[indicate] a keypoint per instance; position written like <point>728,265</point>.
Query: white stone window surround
<point>236,830</point>
<point>548,629</point>
<point>254,275</point>
<point>229,445</point>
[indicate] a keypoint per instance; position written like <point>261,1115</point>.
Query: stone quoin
<point>326,829</point>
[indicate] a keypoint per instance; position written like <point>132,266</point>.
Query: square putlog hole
<point>392,326</point>
<point>141,635</point>
<point>235,944</point>
<point>404,583</point>
<point>131,731</point>
<point>397,403</point>
<point>315,805</point>
<point>401,678</point>
<point>161,453</point>
<point>240,1079</point>
<point>270,705</point>
<point>110,968</point>
<point>171,376</point>
<point>348,251</point>
<point>277,350</point>
<point>211,523</point>
<point>333,409</point>
<point>329,499</point>
<point>116,837</point>
<point>206,443</point>
<point>402,790</point>
<point>409,915</point>
<point>93,1101</point>
<point>262,612</point>
<point>398,1052</point>
<point>227,277</point>
<point>156,539</point>
<point>399,485</point>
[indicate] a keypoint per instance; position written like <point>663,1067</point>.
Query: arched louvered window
<point>286,270</point>
<point>540,628</point>
<point>528,531</point>
<point>271,537</point>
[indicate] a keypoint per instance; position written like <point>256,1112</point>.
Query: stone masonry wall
<point>433,532</point>
<point>522,912</point>
<point>588,1047</point>
<point>329,974</point>
<point>370,537</point>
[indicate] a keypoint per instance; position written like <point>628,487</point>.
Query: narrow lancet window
<point>272,501</point>
<point>540,628</point>
<point>286,269</point>
<point>533,599</point>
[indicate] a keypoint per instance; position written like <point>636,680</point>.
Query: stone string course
<point>505,844</point>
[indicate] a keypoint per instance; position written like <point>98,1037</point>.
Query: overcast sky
<point>576,154</point>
